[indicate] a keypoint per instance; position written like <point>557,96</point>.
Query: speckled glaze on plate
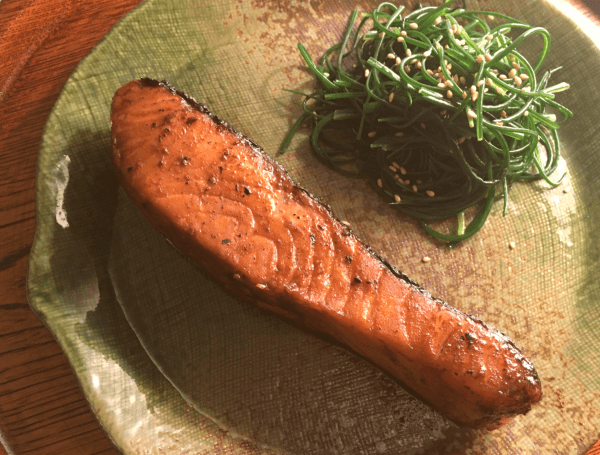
<point>171,364</point>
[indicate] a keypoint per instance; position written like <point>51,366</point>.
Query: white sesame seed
<point>446,47</point>
<point>512,245</point>
<point>406,182</point>
<point>525,114</point>
<point>347,223</point>
<point>237,276</point>
<point>489,37</point>
<point>426,259</point>
<point>392,168</point>
<point>495,71</point>
<point>489,81</point>
<point>407,69</point>
<point>479,58</point>
<point>403,33</point>
<point>516,66</point>
<point>391,56</point>
<point>372,134</point>
<point>526,89</point>
<point>391,97</point>
<point>413,25</point>
<point>430,193</point>
<point>461,139</point>
<point>490,17</point>
<point>399,134</point>
<point>499,123</point>
<point>261,286</point>
<point>402,170</point>
<point>454,29</point>
<point>397,198</point>
<point>474,96</point>
<point>430,72</point>
<point>512,73</point>
<point>485,90</point>
<point>462,80</point>
<point>408,52</point>
<point>502,113</point>
<point>464,95</point>
<point>503,77</point>
<point>396,165</point>
<point>398,60</point>
<point>367,72</point>
<point>437,20</point>
<point>471,113</point>
<point>449,84</point>
<point>449,94</point>
<point>455,78</point>
<point>379,183</point>
<point>517,80</point>
<point>400,39</point>
<point>511,58</point>
<point>325,74</point>
<point>473,89</point>
<point>524,76</point>
<point>438,45</point>
<point>419,182</point>
<point>427,53</point>
<point>423,126</point>
<point>381,35</point>
<point>444,112</point>
<point>449,66</point>
<point>414,188</point>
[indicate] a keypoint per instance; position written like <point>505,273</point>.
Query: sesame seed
<point>405,182</point>
<point>419,182</point>
<point>499,123</point>
<point>473,89</point>
<point>326,74</point>
<point>403,33</point>
<point>402,170</point>
<point>444,112</point>
<point>372,134</point>
<point>407,69</point>
<point>430,72</point>
<point>400,39</point>
<point>423,126</point>
<point>381,35</point>
<point>485,90</point>
<point>446,47</point>
<point>525,114</point>
<point>367,72</point>
<point>461,139</point>
<point>449,94</point>
<point>391,56</point>
<point>489,81</point>
<point>454,29</point>
<point>480,83</point>
<point>512,245</point>
<point>430,193</point>
<point>441,85</point>
<point>346,223</point>
<point>449,66</point>
<point>414,188</point>
<point>526,89</point>
<point>524,76</point>
<point>399,134</point>
<point>237,276</point>
<point>408,52</point>
<point>474,96</point>
<point>490,17</point>
<point>489,37</point>
<point>495,71</point>
<point>502,113</point>
<point>462,80</point>
<point>464,95</point>
<point>392,168</point>
<point>503,76</point>
<point>426,259</point>
<point>391,97</point>
<point>566,190</point>
<point>379,183</point>
<point>396,165</point>
<point>427,53</point>
<point>479,58</point>
<point>512,73</point>
<point>398,60</point>
<point>471,113</point>
<point>437,20</point>
<point>455,78</point>
<point>438,45</point>
<point>413,25</point>
<point>517,80</point>
<point>516,66</point>
<point>449,83</point>
<point>419,65</point>
<point>511,58</point>
<point>397,198</point>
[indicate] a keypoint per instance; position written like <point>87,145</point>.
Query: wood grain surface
<point>42,409</point>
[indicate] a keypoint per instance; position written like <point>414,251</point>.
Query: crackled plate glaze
<point>173,365</point>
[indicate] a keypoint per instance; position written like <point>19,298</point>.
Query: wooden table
<point>42,409</point>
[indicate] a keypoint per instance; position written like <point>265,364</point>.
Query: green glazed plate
<point>172,365</point>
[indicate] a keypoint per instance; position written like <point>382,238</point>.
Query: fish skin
<point>230,208</point>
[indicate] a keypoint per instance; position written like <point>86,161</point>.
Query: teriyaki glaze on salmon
<point>226,205</point>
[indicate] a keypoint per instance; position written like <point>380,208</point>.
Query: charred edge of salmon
<point>202,108</point>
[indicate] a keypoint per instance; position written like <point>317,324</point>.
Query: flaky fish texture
<point>225,204</point>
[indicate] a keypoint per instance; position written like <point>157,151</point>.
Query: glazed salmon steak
<point>222,202</point>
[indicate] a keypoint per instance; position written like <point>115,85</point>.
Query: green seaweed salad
<point>437,109</point>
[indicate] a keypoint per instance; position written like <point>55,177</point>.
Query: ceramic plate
<point>171,364</point>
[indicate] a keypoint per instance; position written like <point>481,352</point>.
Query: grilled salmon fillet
<point>226,205</point>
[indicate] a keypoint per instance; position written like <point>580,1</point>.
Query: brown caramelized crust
<point>236,213</point>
